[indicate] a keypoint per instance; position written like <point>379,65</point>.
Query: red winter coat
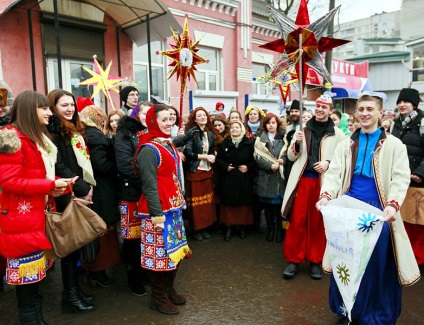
<point>24,186</point>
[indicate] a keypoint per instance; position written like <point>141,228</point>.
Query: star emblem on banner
<point>313,41</point>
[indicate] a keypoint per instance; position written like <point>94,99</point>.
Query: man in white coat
<point>372,166</point>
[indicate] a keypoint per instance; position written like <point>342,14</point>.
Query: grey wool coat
<point>270,181</point>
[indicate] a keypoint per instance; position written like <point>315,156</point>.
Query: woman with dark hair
<point>73,159</point>
<point>175,120</point>
<point>222,128</point>
<point>199,153</point>
<point>163,238</point>
<point>129,191</point>
<point>105,197</point>
<point>271,185</point>
<point>236,164</point>
<point>28,156</point>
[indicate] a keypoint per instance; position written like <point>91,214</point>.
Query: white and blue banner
<point>352,229</point>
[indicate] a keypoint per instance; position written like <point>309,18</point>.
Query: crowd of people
<point>158,181</point>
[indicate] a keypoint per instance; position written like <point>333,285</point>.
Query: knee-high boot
<point>39,309</point>
<point>279,233</point>
<point>270,223</point>
<point>160,300</point>
<point>26,295</point>
<point>173,296</point>
<point>72,301</point>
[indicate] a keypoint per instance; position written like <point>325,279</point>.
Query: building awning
<point>347,92</point>
<point>160,28</point>
<point>130,15</point>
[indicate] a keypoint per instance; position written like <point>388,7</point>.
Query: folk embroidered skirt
<point>28,269</point>
<point>162,250</point>
<point>130,223</point>
<point>200,199</point>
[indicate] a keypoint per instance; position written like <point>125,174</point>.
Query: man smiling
<point>311,150</point>
<point>373,167</point>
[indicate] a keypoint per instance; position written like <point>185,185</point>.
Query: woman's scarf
<point>254,126</point>
<point>93,116</point>
<point>237,140</point>
<point>83,158</point>
<point>153,130</point>
<point>407,120</point>
<point>49,156</point>
<point>261,151</point>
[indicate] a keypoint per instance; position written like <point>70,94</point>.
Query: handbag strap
<point>50,201</point>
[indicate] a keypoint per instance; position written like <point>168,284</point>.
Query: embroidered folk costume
<point>160,204</point>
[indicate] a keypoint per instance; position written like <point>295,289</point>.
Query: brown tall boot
<point>173,296</point>
<point>160,300</point>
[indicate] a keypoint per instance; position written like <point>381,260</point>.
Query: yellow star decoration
<point>101,80</point>
<point>184,56</point>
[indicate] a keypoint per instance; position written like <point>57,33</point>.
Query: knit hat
<point>6,95</point>
<point>249,108</point>
<point>409,95</point>
<point>125,92</point>
<point>325,98</point>
<point>83,102</point>
<point>219,104</point>
<point>294,106</point>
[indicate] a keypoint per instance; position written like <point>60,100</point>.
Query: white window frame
<point>99,99</point>
<point>162,67</point>
<point>209,73</point>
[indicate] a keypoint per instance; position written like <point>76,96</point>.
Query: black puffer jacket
<point>126,140</point>
<point>105,197</point>
<point>194,148</point>
<point>410,136</point>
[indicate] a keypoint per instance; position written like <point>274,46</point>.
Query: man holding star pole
<point>372,166</point>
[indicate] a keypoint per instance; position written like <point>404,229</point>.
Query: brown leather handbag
<point>73,228</point>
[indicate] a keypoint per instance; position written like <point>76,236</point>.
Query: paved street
<point>236,282</point>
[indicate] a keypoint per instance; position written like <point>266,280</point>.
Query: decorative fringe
<point>48,254</point>
<point>134,232</point>
<point>30,269</point>
<point>180,254</point>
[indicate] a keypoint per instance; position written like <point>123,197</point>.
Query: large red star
<point>313,43</point>
<point>184,56</point>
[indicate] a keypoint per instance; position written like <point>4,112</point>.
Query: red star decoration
<point>313,43</point>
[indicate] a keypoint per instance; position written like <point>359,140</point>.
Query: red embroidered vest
<point>169,188</point>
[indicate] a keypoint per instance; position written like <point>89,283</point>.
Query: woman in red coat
<point>29,157</point>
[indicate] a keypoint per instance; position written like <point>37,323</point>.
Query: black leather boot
<point>135,282</point>
<point>28,316</point>
<point>72,301</point>
<point>227,235</point>
<point>39,310</point>
<point>269,217</point>
<point>279,234</point>
<point>27,296</point>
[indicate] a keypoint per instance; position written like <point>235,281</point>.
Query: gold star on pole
<point>184,56</point>
<point>101,80</point>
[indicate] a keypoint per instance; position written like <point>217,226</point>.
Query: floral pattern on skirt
<point>153,252</point>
